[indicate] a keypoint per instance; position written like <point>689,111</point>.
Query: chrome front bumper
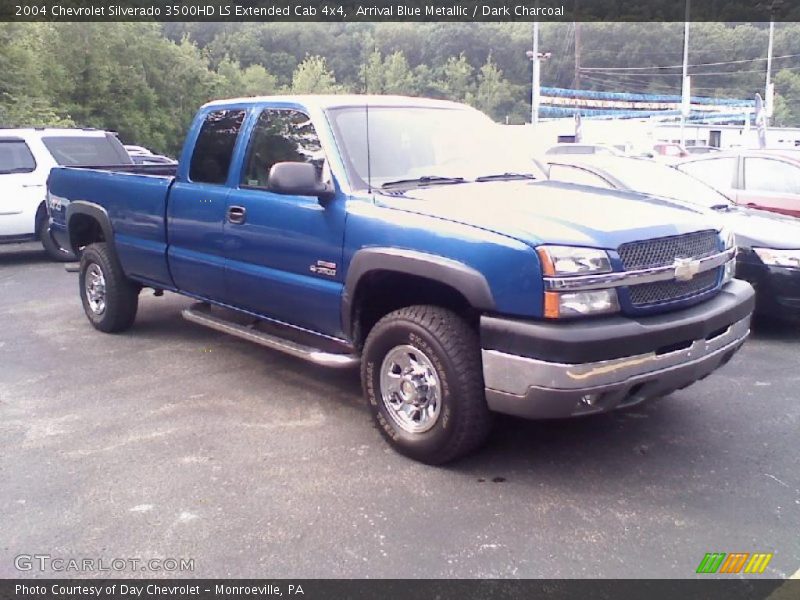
<point>538,389</point>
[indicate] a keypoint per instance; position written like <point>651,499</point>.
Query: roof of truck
<point>340,100</point>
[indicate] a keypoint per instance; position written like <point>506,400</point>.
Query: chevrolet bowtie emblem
<point>686,268</point>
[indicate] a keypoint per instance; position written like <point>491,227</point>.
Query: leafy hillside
<point>145,80</point>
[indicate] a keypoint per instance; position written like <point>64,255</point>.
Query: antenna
<point>366,117</point>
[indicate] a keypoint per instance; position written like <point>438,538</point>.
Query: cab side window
<point>213,149</point>
<point>280,135</point>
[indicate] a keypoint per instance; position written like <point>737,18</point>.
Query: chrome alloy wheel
<point>95,284</point>
<point>410,389</point>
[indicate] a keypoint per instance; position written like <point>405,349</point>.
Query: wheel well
<point>84,230</point>
<point>381,292</point>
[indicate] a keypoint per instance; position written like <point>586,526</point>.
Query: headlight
<point>779,258</point>
<point>729,271</point>
<point>728,238</point>
<point>559,261</point>
<point>559,305</point>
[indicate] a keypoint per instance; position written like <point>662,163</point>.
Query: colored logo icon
<point>735,562</point>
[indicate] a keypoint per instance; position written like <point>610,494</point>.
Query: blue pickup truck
<point>403,235</point>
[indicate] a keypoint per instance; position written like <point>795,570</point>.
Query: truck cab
<point>405,236</point>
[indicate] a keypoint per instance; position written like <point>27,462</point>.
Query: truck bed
<point>135,199</point>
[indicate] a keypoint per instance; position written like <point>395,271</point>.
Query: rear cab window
<point>15,157</point>
<point>213,150</point>
<point>86,151</point>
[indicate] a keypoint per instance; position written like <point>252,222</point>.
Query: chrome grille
<point>662,252</point>
<point>667,291</point>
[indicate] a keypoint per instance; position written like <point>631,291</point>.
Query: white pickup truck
<point>26,157</point>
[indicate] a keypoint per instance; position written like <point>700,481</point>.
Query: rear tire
<point>110,300</point>
<point>423,378</point>
<point>53,250</point>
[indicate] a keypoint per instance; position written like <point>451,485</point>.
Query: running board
<point>203,316</point>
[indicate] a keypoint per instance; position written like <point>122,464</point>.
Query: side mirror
<point>298,179</point>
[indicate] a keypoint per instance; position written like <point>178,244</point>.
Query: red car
<point>765,179</point>
<point>670,150</point>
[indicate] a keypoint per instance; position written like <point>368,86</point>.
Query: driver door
<point>284,252</point>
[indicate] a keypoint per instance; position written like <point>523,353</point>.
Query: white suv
<point>26,157</point>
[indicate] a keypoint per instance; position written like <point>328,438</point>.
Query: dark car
<point>766,179</point>
<point>768,243</point>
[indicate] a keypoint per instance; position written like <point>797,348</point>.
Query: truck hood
<point>551,212</point>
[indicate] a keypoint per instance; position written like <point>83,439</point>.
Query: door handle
<point>237,214</point>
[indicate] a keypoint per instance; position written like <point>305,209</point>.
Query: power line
<point>566,44</point>
<point>644,86</point>
<point>698,74</point>
<point>632,85</point>
<point>711,64</point>
<point>635,79</point>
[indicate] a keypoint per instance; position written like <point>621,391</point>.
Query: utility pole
<point>536,59</point>
<point>577,81</point>
<point>536,76</point>
<point>769,90</point>
<point>685,80</point>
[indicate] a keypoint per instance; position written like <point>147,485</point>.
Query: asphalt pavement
<point>174,441</point>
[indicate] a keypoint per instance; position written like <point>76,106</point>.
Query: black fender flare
<point>469,282</point>
<point>98,213</point>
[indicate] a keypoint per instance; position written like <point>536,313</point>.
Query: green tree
<point>397,76</point>
<point>372,74</point>
<point>787,99</point>
<point>257,81</point>
<point>493,95</point>
<point>455,81</point>
<point>390,75</point>
<point>25,97</point>
<point>312,76</point>
<point>128,78</point>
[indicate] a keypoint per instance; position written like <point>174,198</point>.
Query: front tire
<point>423,379</point>
<point>110,300</point>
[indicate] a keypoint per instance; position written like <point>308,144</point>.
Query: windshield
<point>435,145</point>
<point>15,157</point>
<point>86,151</point>
<point>662,180</point>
